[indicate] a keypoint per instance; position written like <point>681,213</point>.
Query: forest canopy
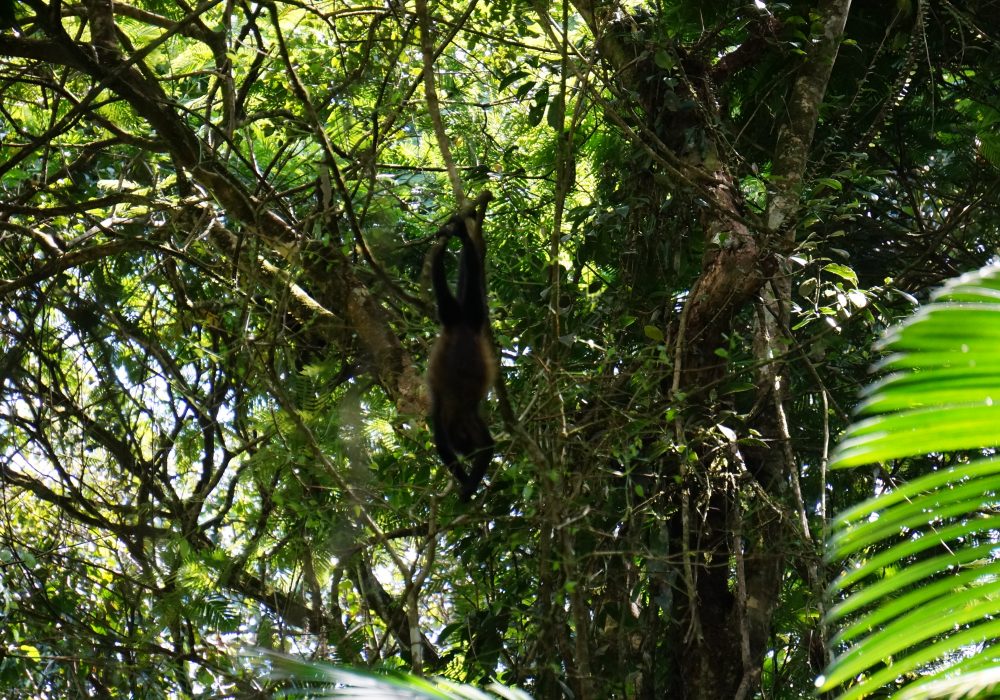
<point>215,227</point>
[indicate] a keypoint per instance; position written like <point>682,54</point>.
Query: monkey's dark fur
<point>461,368</point>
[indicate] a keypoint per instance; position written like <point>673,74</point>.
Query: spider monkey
<point>461,368</point>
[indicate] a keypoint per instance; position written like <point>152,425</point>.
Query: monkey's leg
<point>480,454</point>
<point>448,456</point>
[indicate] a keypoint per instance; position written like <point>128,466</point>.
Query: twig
<point>433,104</point>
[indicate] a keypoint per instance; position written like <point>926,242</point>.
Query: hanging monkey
<point>461,369</point>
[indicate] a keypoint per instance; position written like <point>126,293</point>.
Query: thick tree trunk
<point>725,628</point>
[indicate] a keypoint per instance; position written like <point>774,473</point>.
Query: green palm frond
<point>918,600</point>
<point>315,679</point>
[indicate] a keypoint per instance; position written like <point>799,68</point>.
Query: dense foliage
<point>214,222</point>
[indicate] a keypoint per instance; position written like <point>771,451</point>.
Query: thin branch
<point>433,104</point>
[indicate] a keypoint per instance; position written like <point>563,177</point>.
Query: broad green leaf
<point>842,271</point>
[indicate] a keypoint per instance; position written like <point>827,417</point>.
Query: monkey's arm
<point>472,286</point>
<point>449,310</point>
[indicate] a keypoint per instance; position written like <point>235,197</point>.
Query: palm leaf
<point>918,600</point>
<point>317,679</point>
